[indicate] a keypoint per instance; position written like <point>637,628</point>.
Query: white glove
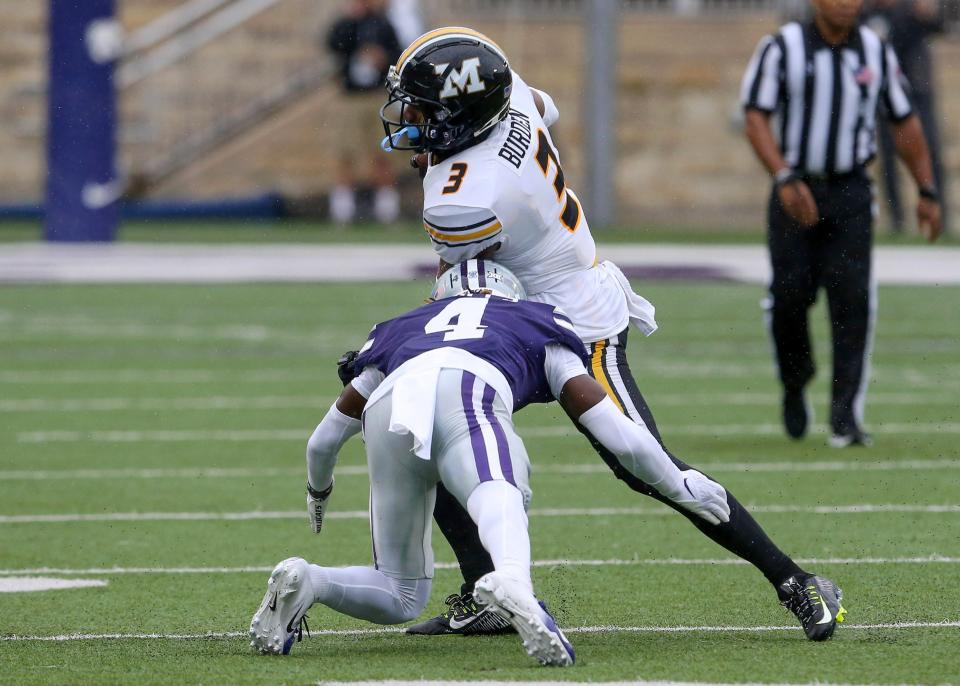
<point>317,505</point>
<point>703,497</point>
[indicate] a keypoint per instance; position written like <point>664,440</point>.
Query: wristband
<point>784,176</point>
<point>929,193</point>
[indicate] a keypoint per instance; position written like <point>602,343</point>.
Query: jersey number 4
<point>460,320</point>
<point>570,217</point>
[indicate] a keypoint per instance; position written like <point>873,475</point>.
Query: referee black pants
<point>835,255</point>
<point>742,535</point>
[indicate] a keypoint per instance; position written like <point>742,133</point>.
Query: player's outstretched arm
<point>340,423</point>
<point>585,401</point>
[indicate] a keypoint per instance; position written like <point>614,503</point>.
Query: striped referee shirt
<point>825,96</point>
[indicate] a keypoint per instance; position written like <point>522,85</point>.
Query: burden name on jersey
<point>515,147</point>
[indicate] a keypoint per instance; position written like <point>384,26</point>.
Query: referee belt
<point>833,177</point>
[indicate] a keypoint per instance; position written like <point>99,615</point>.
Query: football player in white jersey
<point>493,185</point>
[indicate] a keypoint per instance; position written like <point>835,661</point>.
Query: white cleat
<point>276,623</point>
<point>542,638</point>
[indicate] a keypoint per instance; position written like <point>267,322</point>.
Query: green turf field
<point>312,231</point>
<point>164,427</point>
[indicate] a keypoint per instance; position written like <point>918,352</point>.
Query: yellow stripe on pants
<point>600,374</point>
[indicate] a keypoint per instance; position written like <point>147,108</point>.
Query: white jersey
<point>509,189</point>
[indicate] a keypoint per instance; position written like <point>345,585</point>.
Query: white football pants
<point>481,461</point>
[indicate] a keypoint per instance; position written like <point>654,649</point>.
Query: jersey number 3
<point>460,320</point>
<point>457,171</point>
<point>570,217</point>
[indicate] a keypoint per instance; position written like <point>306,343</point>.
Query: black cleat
<point>796,413</point>
<point>465,617</point>
<point>816,602</point>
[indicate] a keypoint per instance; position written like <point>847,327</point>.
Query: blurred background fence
<point>233,98</point>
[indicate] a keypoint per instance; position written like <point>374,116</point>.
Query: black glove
<point>346,366</point>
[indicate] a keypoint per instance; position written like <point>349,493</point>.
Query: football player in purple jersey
<point>434,392</point>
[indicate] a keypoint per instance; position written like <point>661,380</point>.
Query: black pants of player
<point>742,535</point>
<point>834,255</point>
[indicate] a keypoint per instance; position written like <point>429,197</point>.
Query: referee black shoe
<point>816,602</point>
<point>465,617</point>
<point>854,436</point>
<point>796,413</point>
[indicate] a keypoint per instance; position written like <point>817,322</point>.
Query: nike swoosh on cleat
<point>273,603</point>
<point>827,616</point>
<point>294,618</point>
<point>455,624</point>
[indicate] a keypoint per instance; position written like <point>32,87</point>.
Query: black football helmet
<point>448,89</point>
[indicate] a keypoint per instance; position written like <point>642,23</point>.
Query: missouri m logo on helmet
<point>466,79</point>
<point>446,92</point>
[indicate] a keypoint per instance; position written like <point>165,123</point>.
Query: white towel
<point>413,403</point>
<point>413,386</point>
<point>642,311</point>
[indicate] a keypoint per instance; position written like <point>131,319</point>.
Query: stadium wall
<point>682,159</point>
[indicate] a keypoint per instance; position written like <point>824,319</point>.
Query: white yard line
<point>152,376</point>
<point>896,626</point>
<point>361,470</point>
<point>831,466</point>
<point>256,402</point>
<point>165,436</point>
<point>649,562</point>
<point>557,430</point>
<point>217,402</point>
<point>291,262</point>
<point>34,584</point>
<point>759,429</point>
<point>932,376</point>
<point>393,682</point>
<point>671,368</point>
<point>112,329</point>
<point>185,473</point>
<point>536,512</point>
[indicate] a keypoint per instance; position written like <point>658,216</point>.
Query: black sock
<point>461,533</point>
<point>742,535</point>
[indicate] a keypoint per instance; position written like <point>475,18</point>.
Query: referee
<point>823,80</point>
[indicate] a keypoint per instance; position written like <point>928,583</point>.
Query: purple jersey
<point>511,335</point>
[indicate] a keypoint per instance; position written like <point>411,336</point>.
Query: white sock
<point>343,204</point>
<point>366,593</point>
<point>497,508</point>
<point>386,205</point>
